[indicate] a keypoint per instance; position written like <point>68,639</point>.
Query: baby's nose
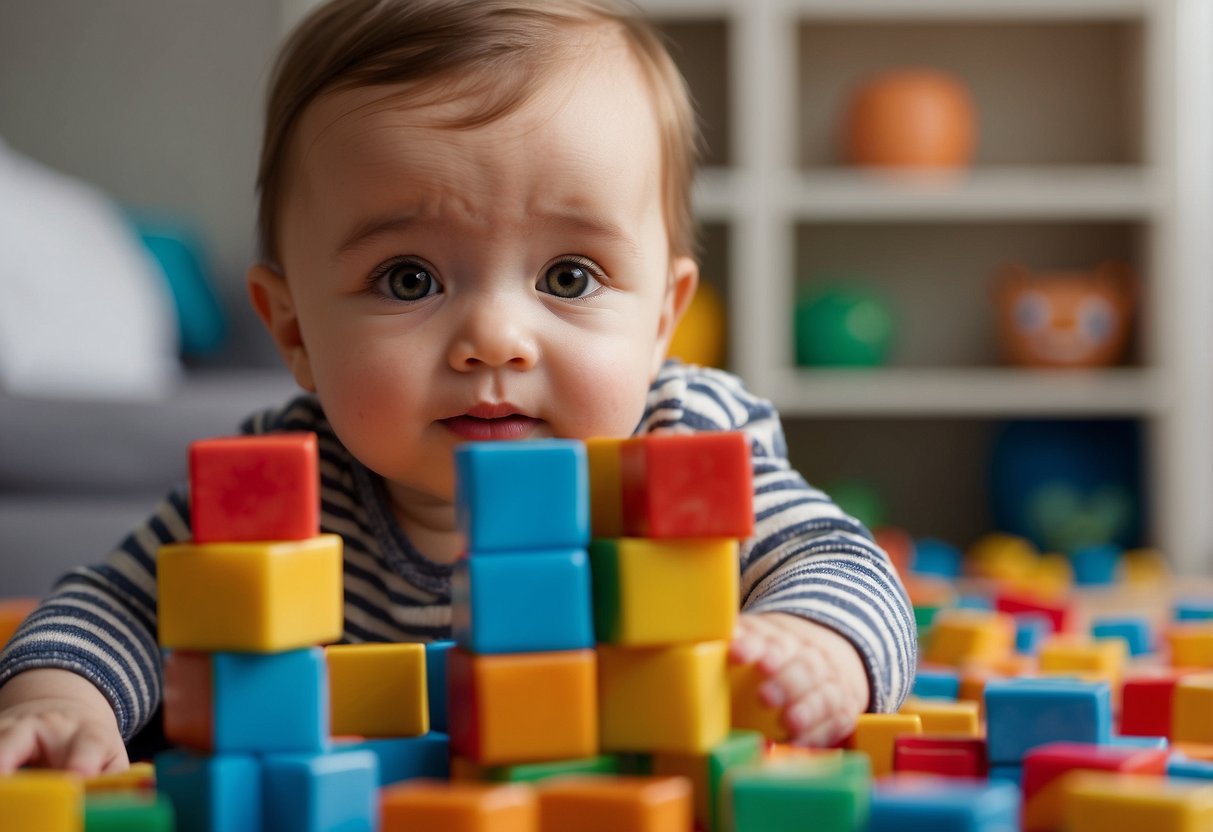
<point>490,337</point>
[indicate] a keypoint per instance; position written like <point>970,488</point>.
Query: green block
<point>532,772</point>
<point>737,749</point>
<point>924,617</point>
<point>127,812</point>
<point>604,571</point>
<point>829,794</point>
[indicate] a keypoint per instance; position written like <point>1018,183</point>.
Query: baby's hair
<point>493,53</point>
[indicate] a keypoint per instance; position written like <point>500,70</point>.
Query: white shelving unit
<point>1097,139</point>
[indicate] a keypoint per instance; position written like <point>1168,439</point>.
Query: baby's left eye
<point>569,279</point>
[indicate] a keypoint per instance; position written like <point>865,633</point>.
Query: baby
<point>475,225</point>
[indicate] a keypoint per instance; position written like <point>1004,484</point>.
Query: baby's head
<point>475,223</point>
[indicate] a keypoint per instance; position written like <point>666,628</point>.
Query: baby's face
<point>508,281</point>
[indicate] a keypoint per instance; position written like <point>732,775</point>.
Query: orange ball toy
<point>916,118</point>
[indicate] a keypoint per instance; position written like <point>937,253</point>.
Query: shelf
<point>991,392</point>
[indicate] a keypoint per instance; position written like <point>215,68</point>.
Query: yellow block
<point>1144,568</point>
<point>958,719</point>
<point>1051,577</point>
<point>963,636</point>
<point>377,690</point>
<point>1105,802</point>
<point>1003,557</point>
<point>1192,709</point>
<point>659,592</point>
<point>261,597</point>
<point>41,801</point>
<point>1102,659</point>
<point>138,776</point>
<point>606,488</point>
<point>1190,645</point>
<point>663,698</point>
<point>874,735</point>
<point>748,711</point>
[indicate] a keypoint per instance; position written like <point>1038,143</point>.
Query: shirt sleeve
<point>806,556</point>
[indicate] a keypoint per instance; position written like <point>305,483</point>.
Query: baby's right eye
<point>407,280</point>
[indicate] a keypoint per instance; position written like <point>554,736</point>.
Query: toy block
<point>1144,568</point>
<point>937,683</point>
<point>1143,743</point>
<point>1012,774</point>
<point>1073,655</point>
<point>944,756</point>
<point>220,793</point>
<point>459,807</point>
<point>41,801</point>
<point>321,792</point>
<point>705,772</point>
<point>925,591</point>
<point>246,702</point>
<point>1096,565</point>
<point>1181,766</point>
<point>534,772</point>
<point>1002,557</point>
<point>658,592</point>
<point>874,735</point>
<point>250,597</point>
<point>139,777</point>
<point>944,718</point>
<point>117,812</point>
<point>522,495</point>
<point>253,488</point>
<point>909,804</point>
<point>898,545</point>
<point>663,698</point>
<point>1052,577</point>
<point>687,485</point>
<point>924,617</point>
<point>378,690</point>
<point>435,680</point>
<point>833,790</point>
<point>1031,631</point>
<point>1193,609</point>
<point>1102,802</point>
<point>609,804</point>
<point>523,708</point>
<point>606,487</point>
<point>1045,766</point>
<point>1191,709</point>
<point>522,602</point>
<point>747,711</point>
<point>1146,705</point>
<point>13,611</point>
<point>972,687</point>
<point>1190,644</point>
<point>974,601</point>
<point>960,636</point>
<point>1024,713</point>
<point>1017,603</point>
<point>406,758</point>
<point>1135,630</point>
<point>936,557</point>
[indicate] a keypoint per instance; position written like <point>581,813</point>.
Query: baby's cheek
<point>601,397</point>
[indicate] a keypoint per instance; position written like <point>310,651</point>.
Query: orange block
<point>524,707</point>
<point>943,718</point>
<point>12,612</point>
<point>1190,645</point>
<point>188,699</point>
<point>1191,709</point>
<point>458,807</point>
<point>610,804</point>
<point>874,735</point>
<point>1102,659</point>
<point>606,487</point>
<point>961,636</point>
<point>748,711</point>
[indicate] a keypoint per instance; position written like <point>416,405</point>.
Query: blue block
<point>1024,713</point>
<point>435,682</point>
<point>522,495</point>
<point>1095,565</point>
<point>937,684</point>
<point>974,602</point>
<point>927,805</point>
<point>1179,766</point>
<point>1007,774</point>
<point>1031,629</point>
<point>935,557</point>
<point>1133,629</point>
<point>321,792</point>
<point>1151,743</point>
<point>407,758</point>
<point>1193,609</point>
<point>219,793</point>
<point>526,602</point>
<point>270,703</point>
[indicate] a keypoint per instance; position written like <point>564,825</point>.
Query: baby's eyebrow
<point>601,229</point>
<point>371,228</point>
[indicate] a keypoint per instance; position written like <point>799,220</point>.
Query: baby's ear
<point>272,300</point>
<point>684,279</point>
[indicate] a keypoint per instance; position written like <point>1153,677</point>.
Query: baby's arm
<point>57,719</point>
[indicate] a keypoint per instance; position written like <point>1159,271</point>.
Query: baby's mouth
<point>478,429</point>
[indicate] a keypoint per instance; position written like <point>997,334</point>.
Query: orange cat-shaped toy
<point>1065,318</point>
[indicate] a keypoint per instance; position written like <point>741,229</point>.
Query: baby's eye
<point>408,280</point>
<point>570,278</point>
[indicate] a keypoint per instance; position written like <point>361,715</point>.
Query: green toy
<point>843,324</point>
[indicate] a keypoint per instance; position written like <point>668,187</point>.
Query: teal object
<point>827,795</point>
<point>321,792</point>
<point>1024,713</point>
<point>952,805</point>
<point>843,325</point>
<point>211,794</point>
<point>435,682</point>
<point>408,758</point>
<point>1134,629</point>
<point>296,682</point>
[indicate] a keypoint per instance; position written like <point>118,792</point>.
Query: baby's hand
<point>56,719</point>
<point>814,675</point>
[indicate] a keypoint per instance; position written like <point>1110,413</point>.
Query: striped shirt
<point>806,557</point>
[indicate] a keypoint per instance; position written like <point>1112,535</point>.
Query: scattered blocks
<point>1024,713</point>
<point>705,772</point>
<point>378,690</point>
<point>833,790</point>
<point>960,636</point>
<point>522,495</point>
<point>875,734</point>
<point>458,807</point>
<point>320,792</point>
<point>251,488</point>
<point>1085,657</point>
<point>1192,709</point>
<point>250,597</point>
<point>1045,766</point>
<point>1102,802</point>
<point>41,801</point>
<point>609,804</point>
<point>211,794</point>
<point>906,804</point>
<point>659,592</point>
<point>1019,603</point>
<point>944,756</point>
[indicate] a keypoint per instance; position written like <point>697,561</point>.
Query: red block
<point>188,705</point>
<point>947,756</point>
<point>1145,706</point>
<point>1058,614</point>
<point>682,486</point>
<point>255,488</point>
<point>1044,764</point>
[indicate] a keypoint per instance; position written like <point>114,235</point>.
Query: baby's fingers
<point>89,753</point>
<point>18,744</point>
